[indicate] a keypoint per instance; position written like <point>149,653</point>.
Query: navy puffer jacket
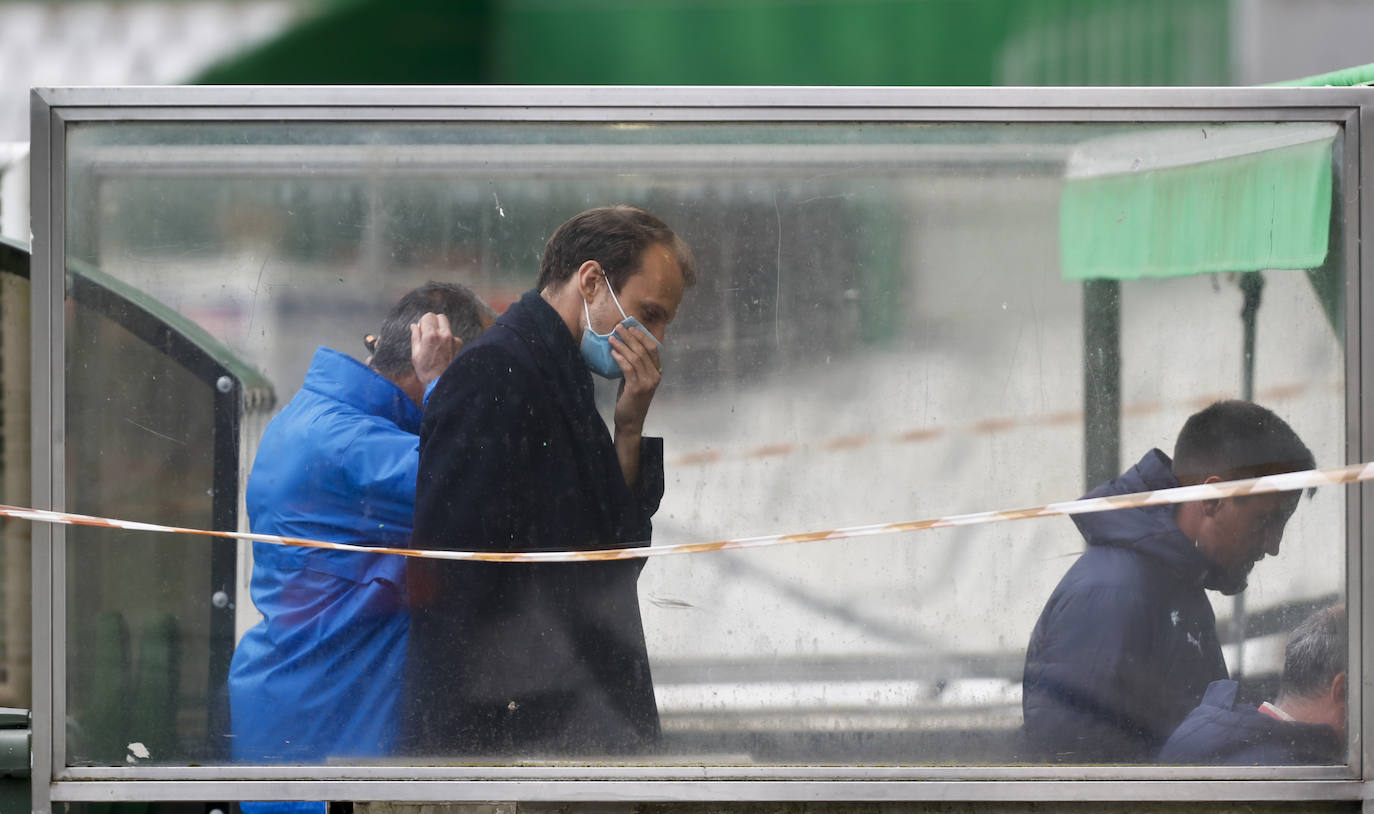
<point>1222,732</point>
<point>1127,642</point>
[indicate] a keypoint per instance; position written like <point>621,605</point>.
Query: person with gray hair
<point>1305,724</point>
<point>319,677</point>
<point>432,310</point>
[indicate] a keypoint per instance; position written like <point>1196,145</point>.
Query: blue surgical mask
<point>596,348</point>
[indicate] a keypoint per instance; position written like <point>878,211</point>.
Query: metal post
<point>1101,381</point>
<point>1251,287</point>
<point>223,560</point>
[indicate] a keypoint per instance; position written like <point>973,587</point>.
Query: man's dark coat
<point>531,659</point>
<point>1221,733</point>
<point>1127,642</point>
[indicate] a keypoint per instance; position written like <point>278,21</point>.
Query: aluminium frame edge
<point>722,114</point>
<point>990,791</point>
<point>42,209</point>
<point>56,380</point>
<point>1354,141</point>
<point>1360,242</point>
<point>658,97</point>
<point>430,773</point>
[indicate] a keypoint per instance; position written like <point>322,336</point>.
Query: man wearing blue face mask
<point>540,660</point>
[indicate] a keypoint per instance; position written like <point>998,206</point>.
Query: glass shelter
<point>910,303</point>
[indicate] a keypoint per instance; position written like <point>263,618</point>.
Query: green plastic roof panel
<point>1346,77</point>
<point>149,319</point>
<point>1198,200</point>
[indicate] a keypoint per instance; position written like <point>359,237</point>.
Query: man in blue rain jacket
<point>320,675</point>
<point>1127,643</point>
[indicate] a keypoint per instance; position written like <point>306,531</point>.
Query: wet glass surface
<point>15,458</point>
<point>889,324</point>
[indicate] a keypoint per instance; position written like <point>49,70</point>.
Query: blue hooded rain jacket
<point>320,675</point>
<point>1127,642</point>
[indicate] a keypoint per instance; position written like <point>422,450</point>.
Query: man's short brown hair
<point>614,236</point>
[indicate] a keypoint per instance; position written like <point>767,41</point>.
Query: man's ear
<point>1338,688</point>
<point>1211,507</point>
<point>589,278</point>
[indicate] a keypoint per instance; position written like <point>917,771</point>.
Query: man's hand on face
<point>637,356</point>
<point>432,346</point>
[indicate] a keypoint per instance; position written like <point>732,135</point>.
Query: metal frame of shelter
<point>54,110</point>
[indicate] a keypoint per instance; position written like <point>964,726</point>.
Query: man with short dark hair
<point>1127,642</point>
<point>320,675</point>
<point>545,659</point>
<point>1304,725</point>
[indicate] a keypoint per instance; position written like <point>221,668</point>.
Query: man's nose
<point>1271,546</point>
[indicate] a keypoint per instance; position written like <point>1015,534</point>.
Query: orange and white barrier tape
<point>992,425</point>
<point>1289,482</point>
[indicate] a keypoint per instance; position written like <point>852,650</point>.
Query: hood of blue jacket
<point>1150,530</point>
<point>338,463</point>
<point>342,378</point>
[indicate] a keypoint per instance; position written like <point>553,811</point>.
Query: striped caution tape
<point>1289,482</point>
<point>992,425</point>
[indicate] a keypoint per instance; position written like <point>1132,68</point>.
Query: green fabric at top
<point>764,42</point>
<point>745,42</point>
<point>1267,210</point>
<point>861,42</point>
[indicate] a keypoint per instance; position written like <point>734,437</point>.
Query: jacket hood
<point>1151,530</point>
<point>340,377</point>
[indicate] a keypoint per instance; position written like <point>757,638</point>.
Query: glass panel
<point>140,446</point>
<point>890,322</point>
<point>15,594</point>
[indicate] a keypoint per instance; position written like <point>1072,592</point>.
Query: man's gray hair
<point>466,314</point>
<point>1316,653</point>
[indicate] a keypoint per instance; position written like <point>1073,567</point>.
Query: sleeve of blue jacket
<point>325,478</point>
<point>1085,694</point>
<point>382,464</point>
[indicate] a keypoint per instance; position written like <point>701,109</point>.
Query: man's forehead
<point>659,280</point>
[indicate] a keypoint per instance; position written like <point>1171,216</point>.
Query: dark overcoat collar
<point>559,360</point>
